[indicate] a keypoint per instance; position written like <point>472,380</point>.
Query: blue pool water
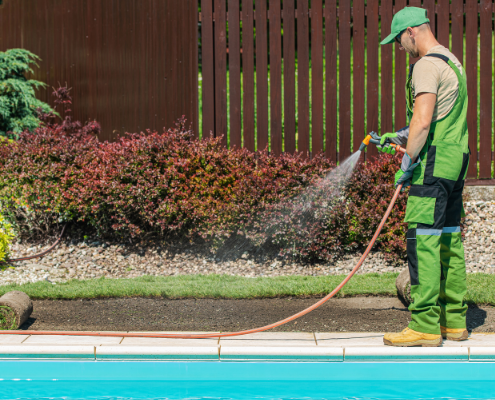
<point>245,380</point>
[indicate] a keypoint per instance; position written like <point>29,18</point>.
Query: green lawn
<point>481,287</point>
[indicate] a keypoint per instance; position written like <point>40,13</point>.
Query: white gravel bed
<point>93,259</point>
<point>479,236</point>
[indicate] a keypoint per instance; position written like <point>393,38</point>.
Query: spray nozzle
<point>371,137</point>
<point>365,143</point>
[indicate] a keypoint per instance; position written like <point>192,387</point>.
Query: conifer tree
<point>19,106</point>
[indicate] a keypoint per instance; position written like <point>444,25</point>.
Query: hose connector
<point>365,143</point>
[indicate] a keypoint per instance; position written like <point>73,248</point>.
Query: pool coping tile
<point>23,351</point>
<point>349,339</point>
<point>72,340</point>
<point>269,346</point>
<point>285,336</point>
<point>482,354</point>
<point>13,339</point>
<point>169,342</point>
<point>268,343</point>
<point>390,353</point>
<point>120,352</point>
<point>281,353</point>
<point>267,339</point>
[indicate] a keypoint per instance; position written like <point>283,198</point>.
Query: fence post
<point>208,67</point>
<point>235,75</point>
<point>289,54</point>
<point>344,79</point>
<point>486,12</point>
<point>248,73</point>
<point>331,128</point>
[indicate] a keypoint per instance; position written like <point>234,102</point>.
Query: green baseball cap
<point>405,18</point>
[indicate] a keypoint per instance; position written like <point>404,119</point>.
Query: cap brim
<point>390,38</point>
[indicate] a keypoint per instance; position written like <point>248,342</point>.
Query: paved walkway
<point>266,345</point>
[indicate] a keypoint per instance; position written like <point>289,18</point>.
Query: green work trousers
<point>435,251</point>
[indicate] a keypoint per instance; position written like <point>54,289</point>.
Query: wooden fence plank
<point>235,74</point>
<point>457,29</point>
<point>430,6</point>
<point>344,79</point>
<point>303,77</point>
<point>220,70</point>
<point>91,54</point>
<point>400,79</point>
<point>98,48</point>
<point>358,98</point>
<point>414,3</point>
<point>208,68</point>
<point>472,83</point>
<point>331,80</point>
<point>387,124</point>
<point>150,49</point>
<point>193,51</point>
<point>485,157</point>
<point>275,77</point>
<point>289,54</point>
<point>443,22</point>
<point>317,82</point>
<point>248,73</point>
<point>261,75</point>
<point>372,65</point>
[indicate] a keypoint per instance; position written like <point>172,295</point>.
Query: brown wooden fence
<point>132,65</point>
<point>305,75</point>
<point>345,83</point>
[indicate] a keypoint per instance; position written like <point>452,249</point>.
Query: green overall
<point>434,248</point>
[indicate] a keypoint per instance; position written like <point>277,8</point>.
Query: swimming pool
<point>245,380</point>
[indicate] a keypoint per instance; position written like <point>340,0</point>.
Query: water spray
<point>368,139</point>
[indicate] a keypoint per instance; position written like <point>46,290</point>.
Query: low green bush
<point>6,237</point>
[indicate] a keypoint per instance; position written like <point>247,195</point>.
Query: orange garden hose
<point>245,332</point>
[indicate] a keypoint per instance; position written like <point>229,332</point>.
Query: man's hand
<point>384,145</point>
<point>405,173</point>
<point>388,138</point>
<point>385,141</point>
<point>420,123</point>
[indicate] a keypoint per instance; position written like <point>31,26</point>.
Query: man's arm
<point>420,123</point>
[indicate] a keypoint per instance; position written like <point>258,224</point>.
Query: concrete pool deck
<point>272,346</point>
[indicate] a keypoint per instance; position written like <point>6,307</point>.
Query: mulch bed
<point>357,314</point>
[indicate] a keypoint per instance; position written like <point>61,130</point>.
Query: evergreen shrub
<point>19,106</point>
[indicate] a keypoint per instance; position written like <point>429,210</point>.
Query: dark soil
<point>357,314</point>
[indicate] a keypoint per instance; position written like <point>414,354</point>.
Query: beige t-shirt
<point>433,75</point>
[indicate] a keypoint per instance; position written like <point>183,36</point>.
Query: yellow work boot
<point>408,337</point>
<point>454,334</point>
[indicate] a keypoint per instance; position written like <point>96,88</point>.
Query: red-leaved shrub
<point>148,182</point>
<point>337,215</point>
<point>173,184</point>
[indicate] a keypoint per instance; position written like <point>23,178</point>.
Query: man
<point>435,167</point>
